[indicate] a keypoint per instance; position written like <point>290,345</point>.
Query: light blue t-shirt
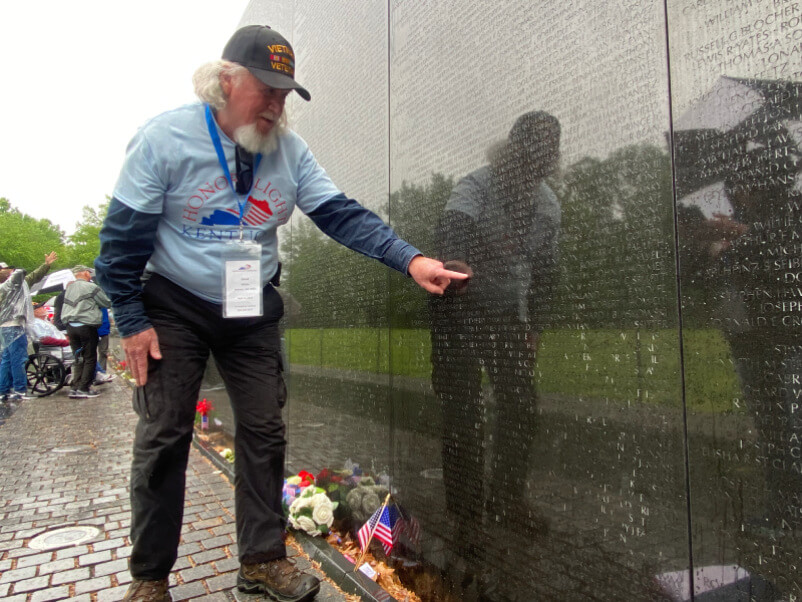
<point>171,168</point>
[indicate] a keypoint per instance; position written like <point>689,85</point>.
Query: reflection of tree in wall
<point>414,212</point>
<point>616,252</point>
<point>337,288</point>
<point>334,287</point>
<point>616,244</point>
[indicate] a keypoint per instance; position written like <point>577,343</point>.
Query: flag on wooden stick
<point>384,525</point>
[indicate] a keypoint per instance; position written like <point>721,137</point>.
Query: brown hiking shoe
<point>279,579</point>
<point>148,591</point>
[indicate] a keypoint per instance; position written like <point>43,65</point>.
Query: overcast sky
<point>80,77</point>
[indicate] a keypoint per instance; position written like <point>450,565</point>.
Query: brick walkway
<point>65,463</point>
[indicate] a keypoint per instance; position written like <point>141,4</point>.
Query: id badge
<point>242,279</point>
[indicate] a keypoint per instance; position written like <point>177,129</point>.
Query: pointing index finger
<point>454,275</point>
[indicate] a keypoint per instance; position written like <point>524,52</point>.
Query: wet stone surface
<point>50,482</point>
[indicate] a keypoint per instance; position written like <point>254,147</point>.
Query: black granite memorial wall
<point>611,408</point>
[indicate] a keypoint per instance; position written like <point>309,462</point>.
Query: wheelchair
<point>48,368</point>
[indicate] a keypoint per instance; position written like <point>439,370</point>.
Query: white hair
<point>207,81</point>
<point>208,89</point>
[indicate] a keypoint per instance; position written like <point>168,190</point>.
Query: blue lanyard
<point>221,157</point>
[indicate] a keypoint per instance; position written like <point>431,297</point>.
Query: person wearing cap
<point>82,315</point>
<point>500,225</point>
<point>44,331</point>
<point>195,211</point>
<point>16,318</point>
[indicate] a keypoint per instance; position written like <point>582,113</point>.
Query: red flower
<point>204,407</point>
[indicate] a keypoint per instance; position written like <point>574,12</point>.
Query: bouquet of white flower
<point>312,511</point>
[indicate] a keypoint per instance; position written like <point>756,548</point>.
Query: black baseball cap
<point>267,55</point>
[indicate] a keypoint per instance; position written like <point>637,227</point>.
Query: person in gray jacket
<point>82,316</point>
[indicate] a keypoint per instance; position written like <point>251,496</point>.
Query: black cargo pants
<point>247,354</point>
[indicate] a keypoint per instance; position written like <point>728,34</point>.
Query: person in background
<point>16,315</point>
<point>81,313</point>
<point>211,266</point>
<point>58,304</point>
<point>45,332</point>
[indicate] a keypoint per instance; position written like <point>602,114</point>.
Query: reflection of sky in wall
<point>600,68</point>
<point>341,56</point>
<point>759,39</point>
<point>460,73</point>
<point>755,38</point>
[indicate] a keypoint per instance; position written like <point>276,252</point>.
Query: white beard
<point>249,138</point>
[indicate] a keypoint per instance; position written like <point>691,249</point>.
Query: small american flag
<point>389,524</point>
<point>412,529</point>
<point>409,525</point>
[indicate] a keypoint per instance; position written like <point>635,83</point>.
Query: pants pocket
<point>281,390</point>
<point>148,401</point>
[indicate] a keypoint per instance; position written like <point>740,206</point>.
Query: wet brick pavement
<point>65,463</point>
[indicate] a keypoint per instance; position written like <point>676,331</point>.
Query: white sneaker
<point>102,379</point>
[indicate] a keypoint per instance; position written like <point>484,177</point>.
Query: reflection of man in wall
<point>748,264</point>
<point>500,225</point>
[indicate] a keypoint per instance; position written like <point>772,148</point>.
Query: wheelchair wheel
<point>46,374</point>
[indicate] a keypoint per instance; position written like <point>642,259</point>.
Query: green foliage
<point>415,210</point>
<point>617,264</point>
<point>414,214</point>
<point>84,243</point>
<point>329,284</point>
<point>334,286</point>
<point>24,240</point>
<point>623,366</point>
<point>617,261</point>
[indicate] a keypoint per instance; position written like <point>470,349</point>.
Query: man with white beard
<point>194,215</point>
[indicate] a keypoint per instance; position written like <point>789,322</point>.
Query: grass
<point>632,366</point>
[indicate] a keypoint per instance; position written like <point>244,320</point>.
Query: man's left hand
<point>431,275</point>
<point>51,257</point>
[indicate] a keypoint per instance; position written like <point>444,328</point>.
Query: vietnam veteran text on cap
<point>267,55</point>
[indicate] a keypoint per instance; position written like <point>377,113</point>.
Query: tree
<point>84,243</point>
<point>414,213</point>
<point>332,286</point>
<point>416,210</point>
<point>617,241</point>
<point>24,240</point>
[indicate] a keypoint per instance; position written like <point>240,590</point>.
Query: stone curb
<point>332,563</point>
